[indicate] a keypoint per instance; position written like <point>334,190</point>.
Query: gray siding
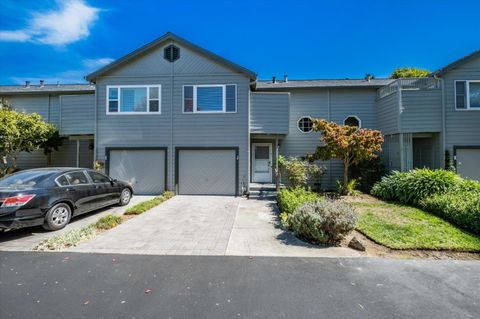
<point>387,113</point>
<point>45,105</point>
<point>172,128</point>
<point>422,110</point>
<point>77,114</point>
<point>462,127</point>
<point>269,113</point>
<point>331,104</point>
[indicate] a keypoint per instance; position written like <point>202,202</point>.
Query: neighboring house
<point>172,115</point>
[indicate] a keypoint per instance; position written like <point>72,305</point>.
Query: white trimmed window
<point>305,124</point>
<point>134,99</point>
<point>217,98</point>
<point>467,95</point>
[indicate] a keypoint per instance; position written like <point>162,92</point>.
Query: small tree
<point>52,144</point>
<point>349,144</point>
<point>20,132</point>
<point>409,72</point>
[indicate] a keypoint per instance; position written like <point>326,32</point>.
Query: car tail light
<point>17,201</point>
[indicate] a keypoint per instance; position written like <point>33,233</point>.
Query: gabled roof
<point>47,88</point>
<point>350,83</point>
<point>456,63</point>
<point>158,42</point>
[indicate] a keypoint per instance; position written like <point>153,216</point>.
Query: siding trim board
<point>136,148</point>
<point>206,148</point>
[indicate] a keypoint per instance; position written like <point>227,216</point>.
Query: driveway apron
<point>183,225</point>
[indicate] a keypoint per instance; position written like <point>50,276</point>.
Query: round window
<point>305,124</point>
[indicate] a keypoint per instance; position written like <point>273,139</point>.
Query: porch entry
<point>262,162</point>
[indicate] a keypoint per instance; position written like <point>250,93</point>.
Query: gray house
<point>172,115</point>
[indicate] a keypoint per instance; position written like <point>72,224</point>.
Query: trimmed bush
<point>459,207</point>
<point>323,221</point>
<point>142,207</point>
<point>108,222</point>
<point>413,186</point>
<point>289,199</point>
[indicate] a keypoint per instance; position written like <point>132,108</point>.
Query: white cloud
<point>15,36</point>
<point>67,77</point>
<point>70,23</point>
<point>93,64</point>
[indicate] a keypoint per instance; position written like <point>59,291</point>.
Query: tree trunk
<point>345,178</point>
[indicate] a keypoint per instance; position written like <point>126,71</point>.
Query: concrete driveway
<point>208,225</point>
<point>27,238</point>
<point>183,225</point>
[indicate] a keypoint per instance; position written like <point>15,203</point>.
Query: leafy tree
<point>349,144</point>
<point>20,132</point>
<point>409,72</point>
<point>52,144</point>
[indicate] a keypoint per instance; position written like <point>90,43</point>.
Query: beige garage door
<point>468,163</point>
<point>207,172</point>
<point>144,169</point>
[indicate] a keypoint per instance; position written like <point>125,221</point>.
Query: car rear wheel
<point>125,197</point>
<point>57,217</point>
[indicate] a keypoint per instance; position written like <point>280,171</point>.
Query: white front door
<point>262,162</point>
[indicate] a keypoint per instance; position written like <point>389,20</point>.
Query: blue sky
<point>66,39</point>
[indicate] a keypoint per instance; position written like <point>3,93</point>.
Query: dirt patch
<point>376,250</point>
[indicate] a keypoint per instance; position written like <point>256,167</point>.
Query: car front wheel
<point>125,197</point>
<point>57,217</point>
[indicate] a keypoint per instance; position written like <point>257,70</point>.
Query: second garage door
<point>468,163</point>
<point>145,169</point>
<point>207,172</point>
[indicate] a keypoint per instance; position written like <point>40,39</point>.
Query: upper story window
<point>137,99</point>
<point>352,120</point>
<point>221,98</point>
<point>305,124</point>
<point>467,95</point>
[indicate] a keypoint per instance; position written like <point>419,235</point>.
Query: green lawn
<point>403,227</point>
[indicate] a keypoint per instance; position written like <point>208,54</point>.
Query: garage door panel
<point>468,163</point>
<point>207,172</point>
<point>145,169</point>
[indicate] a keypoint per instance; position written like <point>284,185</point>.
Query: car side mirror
<point>113,181</point>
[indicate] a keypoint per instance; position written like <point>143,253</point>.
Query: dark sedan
<point>52,196</point>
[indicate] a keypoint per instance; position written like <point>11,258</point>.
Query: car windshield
<point>25,179</point>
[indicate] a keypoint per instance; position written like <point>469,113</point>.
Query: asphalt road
<point>73,285</point>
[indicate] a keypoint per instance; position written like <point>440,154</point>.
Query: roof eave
<point>166,37</point>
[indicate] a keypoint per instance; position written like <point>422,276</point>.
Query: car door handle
<point>69,189</point>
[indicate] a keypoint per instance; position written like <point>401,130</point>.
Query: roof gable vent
<point>171,53</point>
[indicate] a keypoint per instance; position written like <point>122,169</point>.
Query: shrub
<point>459,207</point>
<point>368,172</point>
<point>108,222</point>
<point>65,240</point>
<point>289,199</point>
<point>413,186</point>
<point>148,204</point>
<point>351,188</point>
<point>323,221</point>
<point>299,172</point>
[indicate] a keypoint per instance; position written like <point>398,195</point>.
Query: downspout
<point>172,151</point>
<point>330,177</point>
<point>400,130</point>
<point>95,119</point>
<point>444,125</point>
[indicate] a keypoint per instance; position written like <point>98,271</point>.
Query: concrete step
<point>262,193</point>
